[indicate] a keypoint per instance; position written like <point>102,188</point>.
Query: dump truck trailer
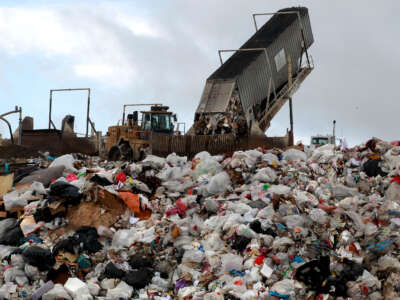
<point>262,74</point>
<point>245,93</point>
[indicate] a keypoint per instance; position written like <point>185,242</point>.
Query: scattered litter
<point>258,224</point>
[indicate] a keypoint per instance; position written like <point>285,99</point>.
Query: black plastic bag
<point>66,191</point>
<point>39,257</point>
<point>12,236</point>
<point>240,243</point>
<point>256,227</point>
<point>372,168</point>
<point>314,273</point>
<point>44,214</point>
<point>84,239</point>
<point>138,279</point>
<point>88,239</point>
<point>112,271</point>
<point>138,261</point>
<point>100,180</point>
<point>70,245</point>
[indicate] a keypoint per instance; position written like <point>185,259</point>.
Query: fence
<point>189,145</point>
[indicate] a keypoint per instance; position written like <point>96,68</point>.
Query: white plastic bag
<point>279,189</point>
<point>319,216</point>
<point>231,262</point>
<point>208,167</point>
<point>122,290</point>
<point>123,238</point>
<point>156,161</point>
<point>176,160</point>
<point>392,157</point>
<point>219,183</point>
<point>284,287</point>
<point>305,199</point>
<point>202,156</point>
<point>67,161</point>
<point>16,198</point>
<point>282,242</point>
<point>294,155</point>
<point>323,154</point>
<point>269,158</point>
<point>193,256</point>
<point>57,292</point>
<point>244,230</point>
<point>77,288</point>
<point>265,175</point>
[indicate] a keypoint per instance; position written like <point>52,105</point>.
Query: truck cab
<point>321,140</point>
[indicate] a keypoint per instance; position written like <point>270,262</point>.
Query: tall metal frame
<point>88,120</point>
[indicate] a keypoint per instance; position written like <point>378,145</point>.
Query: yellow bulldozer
<point>131,140</point>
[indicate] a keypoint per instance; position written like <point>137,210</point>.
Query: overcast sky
<point>163,51</point>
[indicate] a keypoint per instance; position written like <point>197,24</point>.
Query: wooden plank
<point>6,183</point>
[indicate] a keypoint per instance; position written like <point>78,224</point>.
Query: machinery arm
<point>9,127</point>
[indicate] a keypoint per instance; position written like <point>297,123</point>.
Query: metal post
<point>255,22</point>
<point>291,113</point>
<point>291,142</point>
<point>334,132</point>
<point>20,126</point>
<point>87,115</point>
<point>51,101</point>
<point>123,116</point>
<point>220,58</point>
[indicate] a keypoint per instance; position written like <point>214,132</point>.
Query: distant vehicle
<point>321,140</point>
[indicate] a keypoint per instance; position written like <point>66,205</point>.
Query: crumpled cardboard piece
<point>6,183</point>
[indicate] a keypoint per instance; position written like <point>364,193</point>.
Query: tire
<point>114,154</point>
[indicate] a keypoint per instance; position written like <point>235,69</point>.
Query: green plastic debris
<point>84,262</point>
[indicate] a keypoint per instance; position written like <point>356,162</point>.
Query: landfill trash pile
<point>259,224</point>
<point>232,120</point>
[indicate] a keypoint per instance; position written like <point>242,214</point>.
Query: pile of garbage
<point>233,120</point>
<point>259,224</point>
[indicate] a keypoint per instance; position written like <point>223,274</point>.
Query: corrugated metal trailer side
<point>252,71</point>
<point>254,81</point>
<point>216,95</point>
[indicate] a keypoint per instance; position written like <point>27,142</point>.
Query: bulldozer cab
<point>157,121</point>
